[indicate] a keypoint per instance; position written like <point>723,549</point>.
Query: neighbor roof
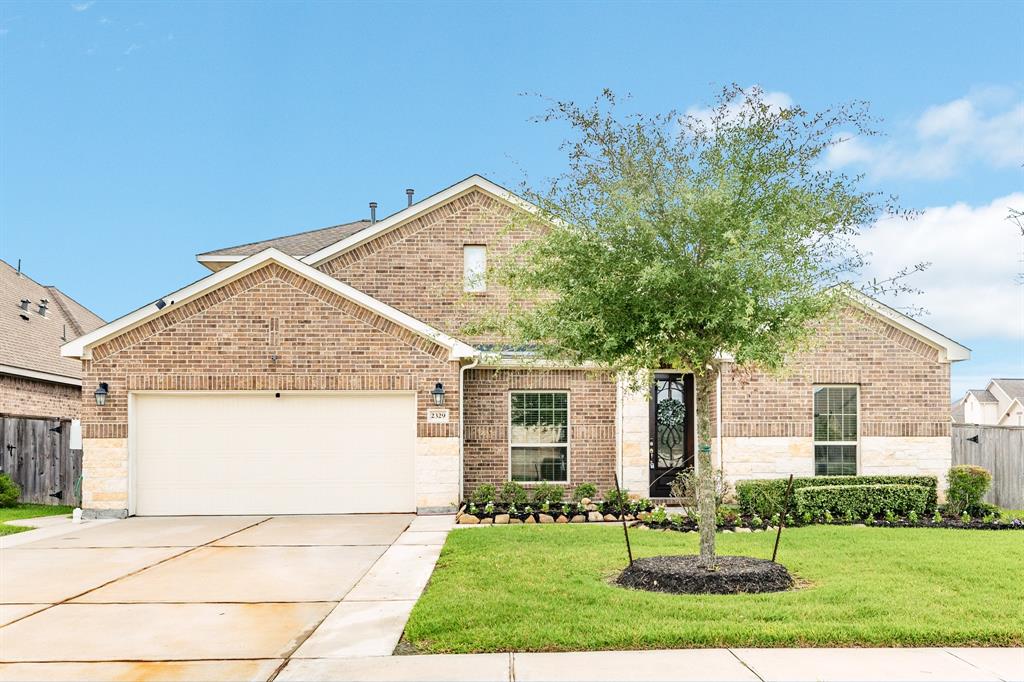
<point>956,411</point>
<point>982,396</point>
<point>1013,388</point>
<point>31,347</point>
<point>296,245</point>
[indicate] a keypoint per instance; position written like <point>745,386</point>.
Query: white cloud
<point>775,99</point>
<point>82,6</point>
<point>970,291</point>
<point>985,127</point>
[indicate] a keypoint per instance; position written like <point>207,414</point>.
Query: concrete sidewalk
<point>753,665</point>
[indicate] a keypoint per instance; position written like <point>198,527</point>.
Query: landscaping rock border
<point>683,574</point>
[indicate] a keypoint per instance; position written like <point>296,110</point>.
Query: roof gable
<point>81,347</point>
<point>30,342</point>
<point>949,350</point>
<point>474,182</point>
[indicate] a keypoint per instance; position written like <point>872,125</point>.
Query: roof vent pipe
<point>408,195</point>
<point>373,212</point>
<point>24,303</point>
<point>42,306</point>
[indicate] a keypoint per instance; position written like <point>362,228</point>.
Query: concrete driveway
<point>212,598</point>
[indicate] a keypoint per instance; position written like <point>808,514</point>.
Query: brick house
<point>35,380</point>
<point>328,371</point>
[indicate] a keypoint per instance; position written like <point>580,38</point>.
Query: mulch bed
<point>683,575</point>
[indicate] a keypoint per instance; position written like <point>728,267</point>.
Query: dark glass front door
<point>671,430</point>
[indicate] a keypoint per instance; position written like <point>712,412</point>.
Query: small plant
<point>565,509</point>
<point>789,520</point>
<point>988,518</point>
<point>9,491</point>
<point>869,520</point>
<point>727,517</point>
<point>512,494</point>
<point>471,508</point>
<point>659,514</point>
<point>615,500</point>
<point>848,516</point>
<point>912,517</point>
<point>807,518</point>
<point>827,517</point>
<point>937,517</point>
<point>967,485</point>
<point>584,490</point>
<point>512,510</point>
<point>890,517</point>
<point>483,494</point>
<point>545,507</point>
<point>757,522</point>
<point>547,492</point>
<point>776,519</point>
<point>489,508</point>
<point>965,518</point>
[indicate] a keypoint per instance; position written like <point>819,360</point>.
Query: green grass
<point>27,511</point>
<point>546,588</point>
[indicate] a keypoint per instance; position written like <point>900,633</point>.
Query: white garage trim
<point>378,459</point>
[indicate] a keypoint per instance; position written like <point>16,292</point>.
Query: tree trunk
<point>707,511</point>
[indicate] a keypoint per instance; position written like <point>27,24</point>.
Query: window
<point>835,431</point>
<point>539,437</point>
<point>474,268</point>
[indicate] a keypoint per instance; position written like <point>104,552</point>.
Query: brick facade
<point>904,388</point>
<point>227,340</point>
<point>22,397</point>
<point>592,416</point>
<point>417,267</point>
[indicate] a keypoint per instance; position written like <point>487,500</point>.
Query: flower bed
<point>584,511</point>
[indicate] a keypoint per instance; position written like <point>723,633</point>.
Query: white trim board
<point>80,347</point>
<point>41,376</point>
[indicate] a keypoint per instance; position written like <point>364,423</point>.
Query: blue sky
<point>135,135</point>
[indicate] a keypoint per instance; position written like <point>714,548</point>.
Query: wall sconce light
<point>101,394</point>
<point>438,394</point>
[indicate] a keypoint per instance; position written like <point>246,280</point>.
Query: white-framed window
<point>474,268</point>
<point>835,430</point>
<point>539,436</point>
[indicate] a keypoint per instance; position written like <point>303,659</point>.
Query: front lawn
<point>27,511</point>
<point>546,588</point>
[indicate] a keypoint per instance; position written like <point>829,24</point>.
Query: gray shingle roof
<point>1013,387</point>
<point>957,412</point>
<point>297,245</point>
<point>983,396</point>
<point>35,343</point>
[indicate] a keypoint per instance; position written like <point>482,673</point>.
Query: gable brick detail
<point>904,388</point>
<point>417,267</point>
<point>226,340</point>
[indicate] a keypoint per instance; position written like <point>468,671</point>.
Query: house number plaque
<point>437,416</point>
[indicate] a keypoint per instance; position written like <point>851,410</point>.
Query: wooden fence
<point>37,455</point>
<point>1000,449</point>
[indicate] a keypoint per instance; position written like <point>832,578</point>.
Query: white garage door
<point>253,453</point>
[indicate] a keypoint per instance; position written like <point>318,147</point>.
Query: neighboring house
<point>328,372</point>
<point>1001,403</point>
<point>35,380</point>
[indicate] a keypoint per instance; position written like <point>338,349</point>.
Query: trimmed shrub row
<point>764,497</point>
<point>858,501</point>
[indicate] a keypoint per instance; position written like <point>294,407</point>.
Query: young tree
<point>680,240</point>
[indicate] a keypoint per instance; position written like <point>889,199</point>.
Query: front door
<point>671,430</point>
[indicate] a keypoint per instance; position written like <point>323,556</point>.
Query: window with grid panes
<point>539,436</point>
<point>835,431</point>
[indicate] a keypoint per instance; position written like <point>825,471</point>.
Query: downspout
<point>462,425</point>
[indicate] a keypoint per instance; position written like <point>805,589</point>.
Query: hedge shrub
<point>764,497</point>
<point>967,485</point>
<point>9,491</point>
<point>894,499</point>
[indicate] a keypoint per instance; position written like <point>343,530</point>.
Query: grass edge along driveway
<point>27,511</point>
<point>547,588</point>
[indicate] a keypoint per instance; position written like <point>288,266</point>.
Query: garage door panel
<point>257,454</point>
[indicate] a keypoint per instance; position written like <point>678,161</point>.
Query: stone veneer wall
<point>23,397</point>
<point>225,340</point>
<point>592,419</point>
